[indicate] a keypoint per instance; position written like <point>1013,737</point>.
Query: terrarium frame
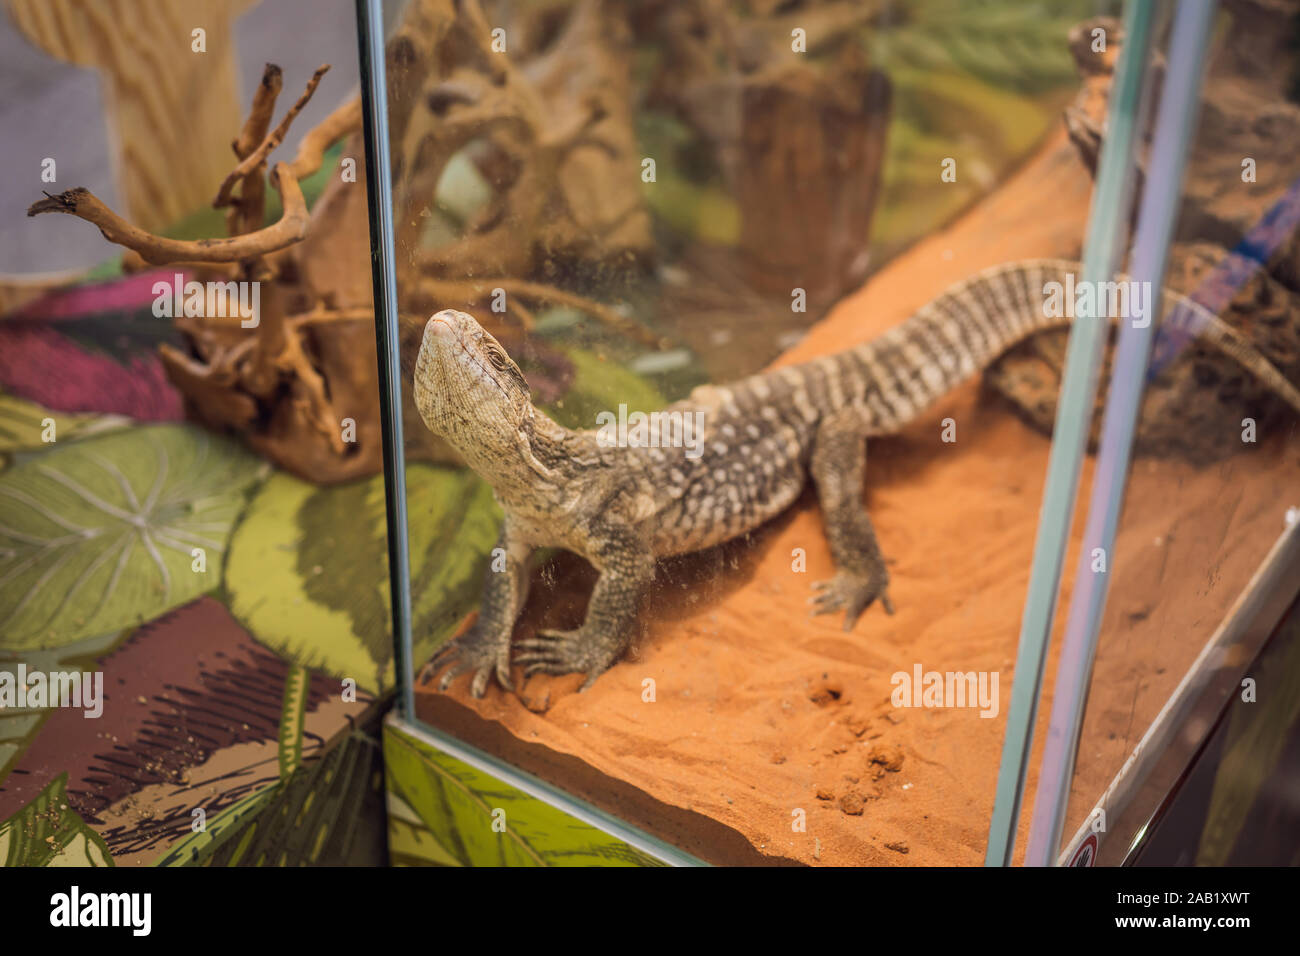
<point>1202,689</point>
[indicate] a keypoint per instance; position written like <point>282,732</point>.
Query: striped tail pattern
<point>960,333</point>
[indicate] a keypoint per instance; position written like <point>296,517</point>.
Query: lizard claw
<point>471,651</point>
<point>851,592</point>
<point>565,652</point>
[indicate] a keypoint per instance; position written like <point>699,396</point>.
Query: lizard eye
<point>497,358</point>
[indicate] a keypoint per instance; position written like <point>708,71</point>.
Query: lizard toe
<point>544,667</point>
<point>480,682</point>
<point>503,674</point>
<point>564,652</point>
<point>471,652</point>
<point>851,593</point>
<point>452,673</point>
<point>440,657</point>
<point>826,602</point>
<point>824,607</point>
<point>550,652</point>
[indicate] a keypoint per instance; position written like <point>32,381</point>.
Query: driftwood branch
<point>257,157</point>
<point>259,115</point>
<point>549,129</point>
<point>159,250</point>
<point>248,211</point>
<point>311,151</point>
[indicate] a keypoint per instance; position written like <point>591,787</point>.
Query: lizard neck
<point>542,468</point>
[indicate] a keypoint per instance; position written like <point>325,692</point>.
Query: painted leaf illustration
<point>25,425</point>
<point>97,535</point>
<point>308,568</point>
<point>459,805</point>
<point>47,833</point>
<point>197,848</point>
<point>319,816</point>
<point>409,841</point>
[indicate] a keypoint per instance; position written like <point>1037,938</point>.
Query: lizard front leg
<point>626,568</point>
<point>485,647</point>
<point>839,464</point>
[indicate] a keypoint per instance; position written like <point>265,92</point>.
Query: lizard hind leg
<point>839,464</point>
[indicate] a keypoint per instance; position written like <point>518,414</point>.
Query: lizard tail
<point>1183,316</point>
<point>1237,347</point>
<point>975,321</point>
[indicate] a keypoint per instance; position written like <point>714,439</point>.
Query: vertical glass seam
<point>379,189</point>
<point>1106,225</point>
<point>1179,107</point>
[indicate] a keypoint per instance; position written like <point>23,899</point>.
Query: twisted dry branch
<point>250,163</point>
<point>259,115</point>
<point>311,151</point>
<point>159,250</point>
<point>246,214</point>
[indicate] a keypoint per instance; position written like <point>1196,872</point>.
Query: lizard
<point>765,436</point>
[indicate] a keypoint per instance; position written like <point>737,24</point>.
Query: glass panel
<point>637,200</point>
<point>1212,479</point>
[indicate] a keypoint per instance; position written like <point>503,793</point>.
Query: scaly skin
<point>623,507</point>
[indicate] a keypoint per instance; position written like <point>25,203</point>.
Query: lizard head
<point>469,391</point>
